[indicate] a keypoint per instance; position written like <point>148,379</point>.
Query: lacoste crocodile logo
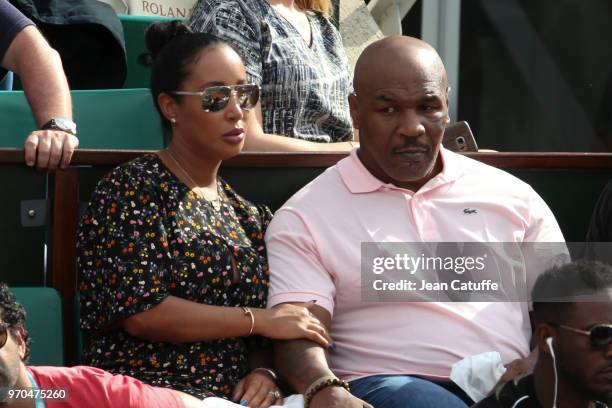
<point>468,211</point>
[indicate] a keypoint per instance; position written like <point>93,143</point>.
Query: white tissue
<point>477,375</point>
<point>292,401</point>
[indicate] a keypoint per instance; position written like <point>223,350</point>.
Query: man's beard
<point>589,393</point>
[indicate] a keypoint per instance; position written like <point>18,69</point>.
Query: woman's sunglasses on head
<point>600,335</point>
<point>216,98</point>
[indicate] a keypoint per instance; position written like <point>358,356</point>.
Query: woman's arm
<point>180,321</point>
<point>257,140</point>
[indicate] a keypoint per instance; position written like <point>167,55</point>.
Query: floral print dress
<point>146,236</point>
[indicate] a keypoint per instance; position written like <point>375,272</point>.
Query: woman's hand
<point>257,390</point>
<point>289,322</point>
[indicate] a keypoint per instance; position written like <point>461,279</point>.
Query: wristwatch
<point>63,124</point>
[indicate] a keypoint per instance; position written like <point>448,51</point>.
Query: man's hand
<point>516,368</point>
<point>48,149</point>
<point>337,397</point>
<point>257,390</point>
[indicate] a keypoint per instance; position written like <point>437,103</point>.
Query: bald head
<point>401,109</point>
<point>386,61</point>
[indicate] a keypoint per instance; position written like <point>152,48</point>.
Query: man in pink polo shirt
<point>401,185</point>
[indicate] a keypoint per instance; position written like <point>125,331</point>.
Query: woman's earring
<point>173,120</point>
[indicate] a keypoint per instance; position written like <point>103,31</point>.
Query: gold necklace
<point>216,201</point>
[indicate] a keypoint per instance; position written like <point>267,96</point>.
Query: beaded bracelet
<point>247,312</point>
<point>318,385</point>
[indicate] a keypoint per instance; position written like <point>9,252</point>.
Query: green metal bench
<point>44,322</point>
<point>106,119</point>
<point>133,31</point>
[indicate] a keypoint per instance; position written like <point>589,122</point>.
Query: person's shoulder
<point>213,5</point>
<point>216,4</point>
<point>606,193</point>
<point>11,18</point>
<point>320,190</point>
<point>62,377</point>
<point>486,175</point>
<point>325,22</point>
<point>205,10</point>
<point>143,172</point>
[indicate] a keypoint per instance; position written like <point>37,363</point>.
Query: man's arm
<point>298,274</point>
<point>40,70</point>
<point>302,362</point>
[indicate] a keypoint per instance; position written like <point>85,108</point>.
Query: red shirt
<point>89,386</point>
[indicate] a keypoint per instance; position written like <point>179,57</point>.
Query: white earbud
<point>549,342</point>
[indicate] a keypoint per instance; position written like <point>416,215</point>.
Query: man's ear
<point>542,333</point>
<point>167,105</point>
<point>19,338</point>
<point>354,105</point>
<point>448,119</point>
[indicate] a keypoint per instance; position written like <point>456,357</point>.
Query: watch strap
<point>56,124</point>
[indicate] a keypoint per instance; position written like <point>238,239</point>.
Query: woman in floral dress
<point>173,274</point>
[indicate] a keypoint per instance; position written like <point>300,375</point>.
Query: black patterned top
<point>304,88</point>
<point>146,236</point>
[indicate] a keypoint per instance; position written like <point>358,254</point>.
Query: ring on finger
<point>275,393</point>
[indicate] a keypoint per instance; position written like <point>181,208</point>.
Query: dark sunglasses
<point>600,335</point>
<point>216,98</point>
<point>3,333</point>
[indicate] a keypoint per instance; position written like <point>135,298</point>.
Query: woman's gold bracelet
<point>248,312</point>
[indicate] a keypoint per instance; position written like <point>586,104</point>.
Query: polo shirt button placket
<point>414,207</point>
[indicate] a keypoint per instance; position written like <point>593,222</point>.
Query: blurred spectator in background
<point>294,52</point>
<point>600,229</point>
<point>24,51</point>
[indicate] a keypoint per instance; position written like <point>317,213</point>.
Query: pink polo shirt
<point>314,250</point>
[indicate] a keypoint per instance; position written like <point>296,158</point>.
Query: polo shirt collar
<point>358,178</point>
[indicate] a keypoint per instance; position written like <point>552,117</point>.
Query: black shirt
<point>519,393</point>
<point>11,23</point>
<point>515,394</point>
<point>600,229</point>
